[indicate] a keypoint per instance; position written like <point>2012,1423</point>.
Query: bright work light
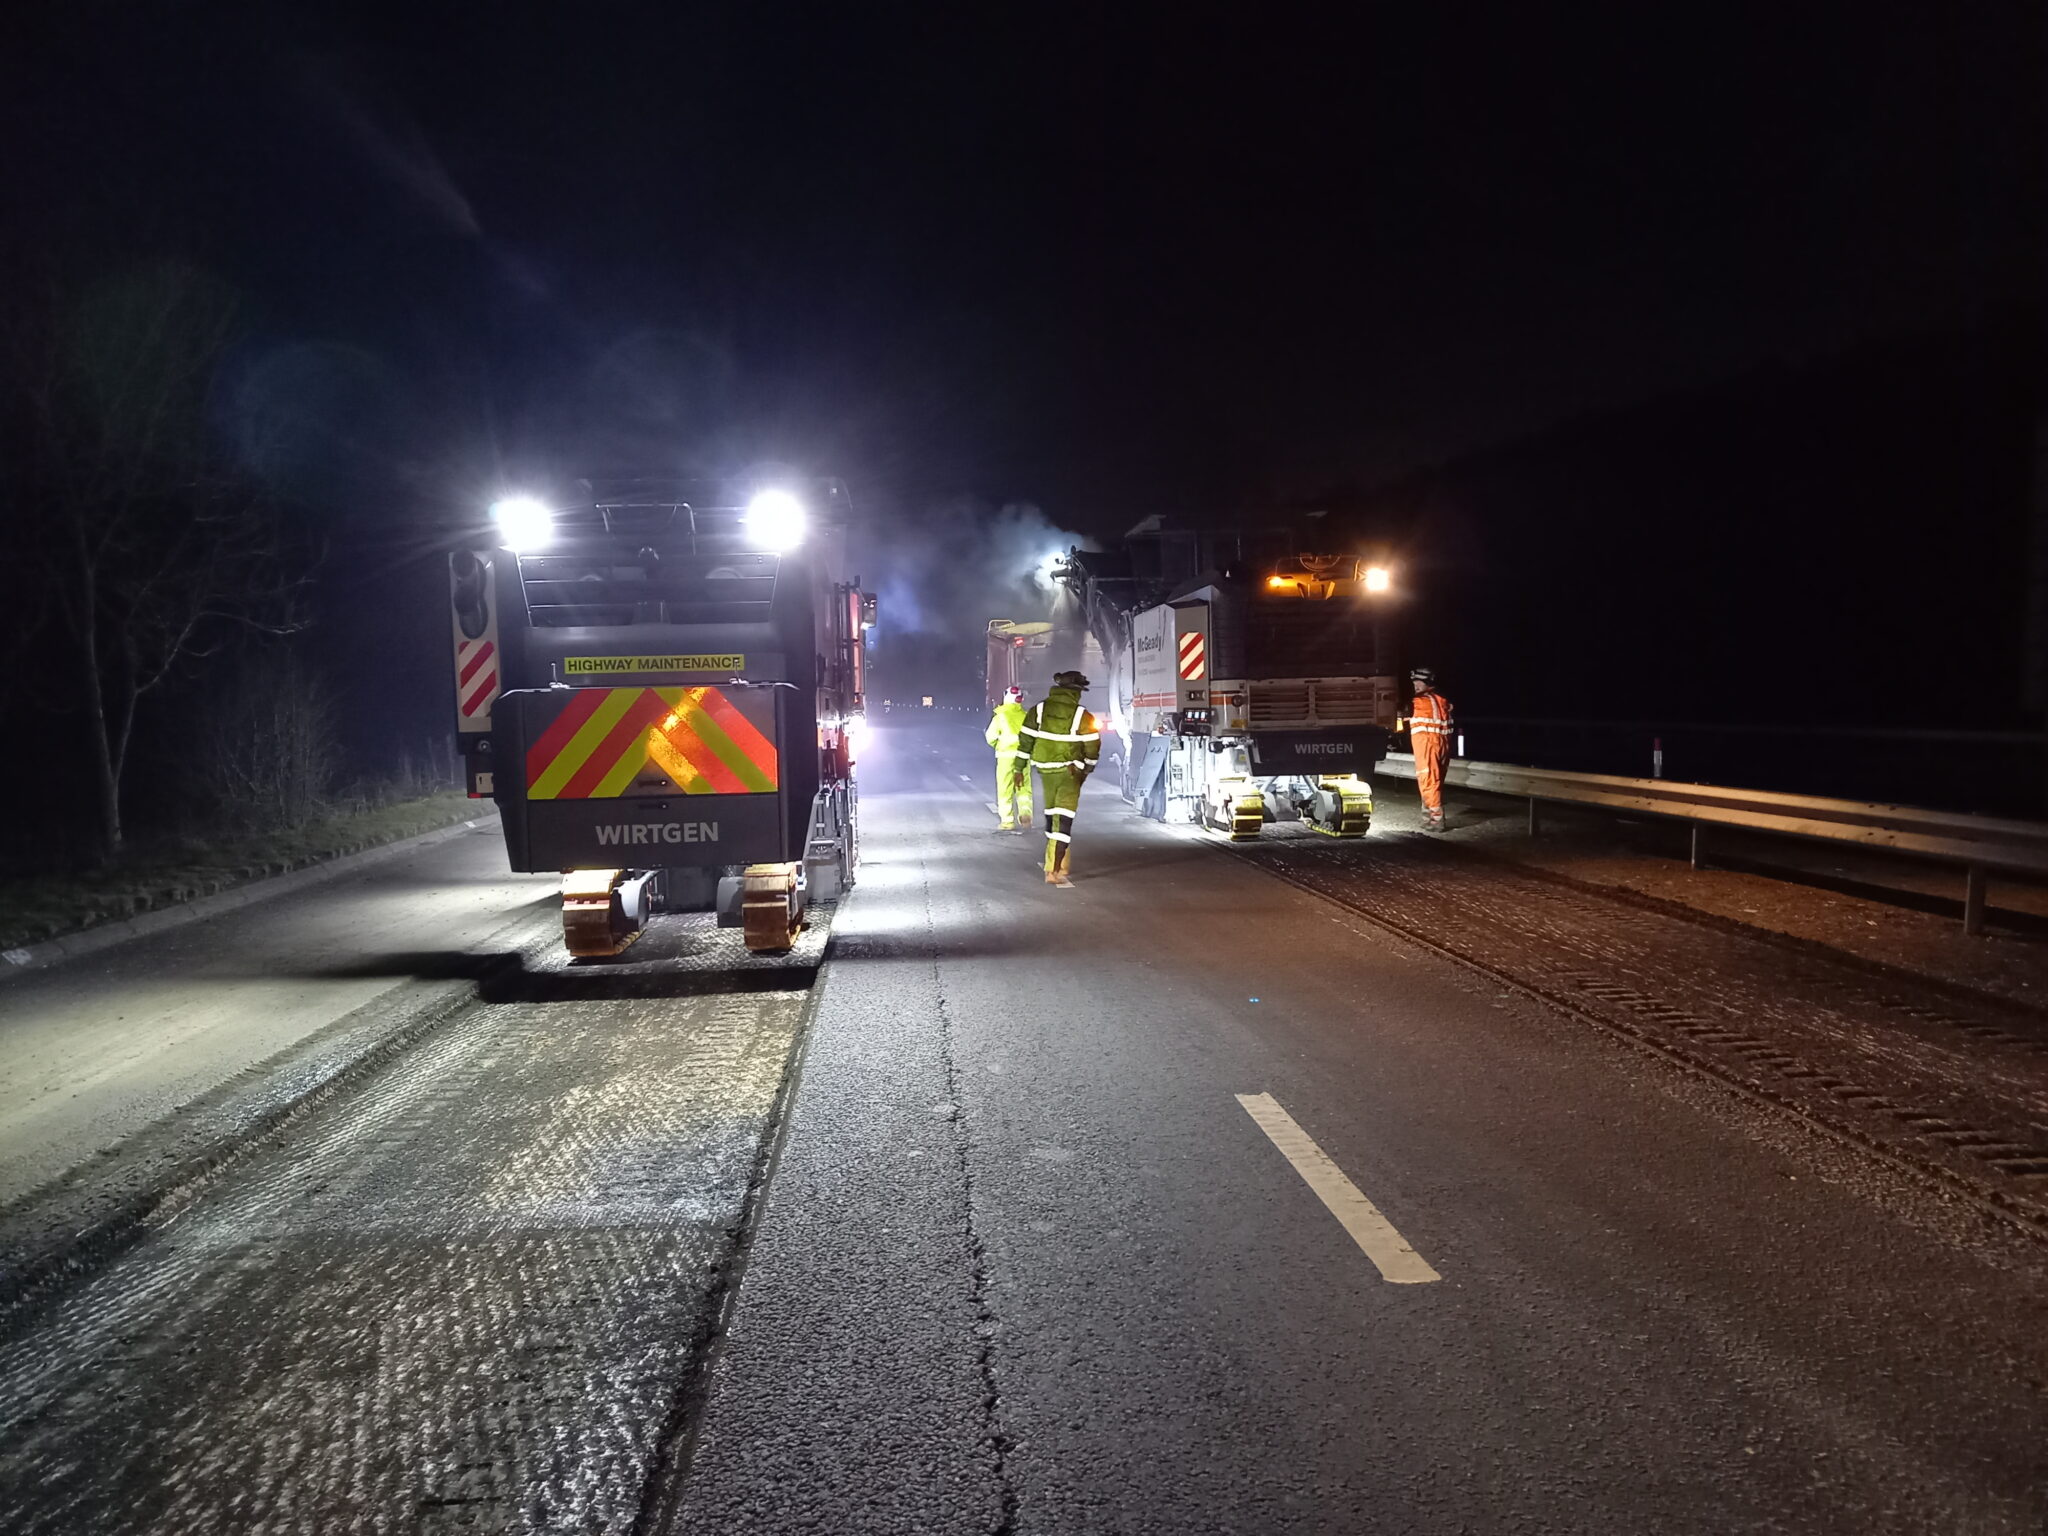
<point>775,520</point>
<point>523,523</point>
<point>1378,579</point>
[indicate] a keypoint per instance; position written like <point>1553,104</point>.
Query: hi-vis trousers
<point>1013,782</point>
<point>1432,752</point>
<point>1062,787</point>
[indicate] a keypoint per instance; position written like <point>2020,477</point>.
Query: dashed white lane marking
<point>1387,1248</point>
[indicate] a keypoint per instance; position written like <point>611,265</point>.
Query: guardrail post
<point>1976,891</point>
<point>1699,846</point>
<point>1535,821</point>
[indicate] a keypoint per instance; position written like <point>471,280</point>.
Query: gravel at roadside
<point>1650,859</point>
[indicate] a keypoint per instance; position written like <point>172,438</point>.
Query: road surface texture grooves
<point>677,1443</point>
<point>466,1294</point>
<point>1945,999</point>
<point>102,1047</point>
<point>1963,1097</point>
<point>1662,1306</point>
<point>52,1237</point>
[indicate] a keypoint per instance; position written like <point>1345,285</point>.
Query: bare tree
<point>266,743</point>
<point>152,542</point>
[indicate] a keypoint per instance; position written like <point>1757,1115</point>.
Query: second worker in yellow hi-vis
<point>1063,741</point>
<point>1013,763</point>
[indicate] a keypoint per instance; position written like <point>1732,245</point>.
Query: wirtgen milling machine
<point>1250,680</point>
<point>661,686</point>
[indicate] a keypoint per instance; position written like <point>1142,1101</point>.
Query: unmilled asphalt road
<point>1041,1247</point>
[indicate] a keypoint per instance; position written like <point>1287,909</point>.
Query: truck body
<point>661,689</point>
<point>1019,656</point>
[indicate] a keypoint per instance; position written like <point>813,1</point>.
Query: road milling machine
<point>661,685</point>
<point>1248,672</point>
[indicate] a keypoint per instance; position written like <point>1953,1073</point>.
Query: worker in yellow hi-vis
<point>1064,741</point>
<point>1013,763</point>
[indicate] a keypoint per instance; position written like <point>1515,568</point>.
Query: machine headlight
<point>523,524</point>
<point>1378,579</point>
<point>775,520</point>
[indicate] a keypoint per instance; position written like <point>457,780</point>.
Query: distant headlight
<point>523,524</point>
<point>775,520</point>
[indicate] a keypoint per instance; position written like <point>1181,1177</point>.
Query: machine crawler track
<point>772,906</point>
<point>594,921</point>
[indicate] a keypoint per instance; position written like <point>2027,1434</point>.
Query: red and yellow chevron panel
<point>609,742</point>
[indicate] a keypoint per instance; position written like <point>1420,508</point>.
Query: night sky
<point>1092,263</point>
<point>1108,261</point>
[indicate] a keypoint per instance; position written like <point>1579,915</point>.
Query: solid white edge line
<point>1374,1234</point>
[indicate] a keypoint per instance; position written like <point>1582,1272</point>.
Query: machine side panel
<point>1191,655</point>
<point>479,662</point>
<point>1155,681</point>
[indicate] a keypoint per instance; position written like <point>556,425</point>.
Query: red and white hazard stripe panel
<point>1194,657</point>
<point>476,677</point>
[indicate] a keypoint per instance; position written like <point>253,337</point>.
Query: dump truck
<point>661,685</point>
<point>1019,656</point>
<point>1248,673</point>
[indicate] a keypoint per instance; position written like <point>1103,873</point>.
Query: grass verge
<point>162,874</point>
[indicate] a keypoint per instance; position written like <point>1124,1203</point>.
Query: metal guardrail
<point>1648,729</point>
<point>1979,844</point>
<point>1988,772</point>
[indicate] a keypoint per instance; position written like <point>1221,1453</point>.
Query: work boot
<point>1059,878</point>
<point>1052,878</point>
<point>1006,826</point>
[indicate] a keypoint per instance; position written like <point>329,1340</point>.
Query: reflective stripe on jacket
<point>1003,727</point>
<point>1060,733</point>
<point>1430,715</point>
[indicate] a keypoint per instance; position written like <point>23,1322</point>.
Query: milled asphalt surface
<point>1026,1265</point>
<point>95,1049</point>
<point>465,1294</point>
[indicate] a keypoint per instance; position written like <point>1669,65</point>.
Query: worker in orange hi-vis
<point>1429,738</point>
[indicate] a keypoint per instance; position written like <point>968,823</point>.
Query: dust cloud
<point>941,573</point>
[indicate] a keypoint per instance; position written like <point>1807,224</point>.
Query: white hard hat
<point>1014,692</point>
